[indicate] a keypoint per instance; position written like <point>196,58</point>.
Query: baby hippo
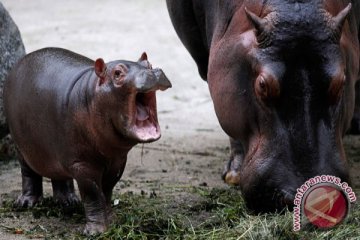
<point>73,118</point>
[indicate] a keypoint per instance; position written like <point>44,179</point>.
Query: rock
<point>11,50</point>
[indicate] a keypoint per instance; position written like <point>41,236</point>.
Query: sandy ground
<point>193,148</point>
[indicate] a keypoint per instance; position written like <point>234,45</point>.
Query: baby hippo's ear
<point>143,57</point>
<point>100,69</point>
<point>143,60</point>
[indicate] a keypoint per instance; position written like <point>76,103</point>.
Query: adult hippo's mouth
<point>145,124</point>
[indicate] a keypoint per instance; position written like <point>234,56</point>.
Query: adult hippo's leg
<point>32,189</point>
<point>64,192</point>
<point>231,174</point>
<point>186,25</point>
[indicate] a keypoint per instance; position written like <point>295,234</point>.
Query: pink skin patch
<point>146,126</point>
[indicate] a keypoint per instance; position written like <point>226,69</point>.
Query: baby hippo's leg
<point>108,183</point>
<point>32,189</point>
<point>95,205</point>
<point>64,193</point>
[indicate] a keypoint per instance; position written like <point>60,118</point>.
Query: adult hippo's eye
<point>336,89</point>
<point>266,88</point>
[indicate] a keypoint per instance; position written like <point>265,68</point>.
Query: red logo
<point>325,205</point>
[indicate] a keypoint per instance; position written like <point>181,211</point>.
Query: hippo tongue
<point>142,113</point>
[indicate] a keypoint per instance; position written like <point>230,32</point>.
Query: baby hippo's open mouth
<point>146,126</point>
<point>142,122</point>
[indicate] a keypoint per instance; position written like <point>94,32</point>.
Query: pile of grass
<point>211,214</point>
<point>200,213</point>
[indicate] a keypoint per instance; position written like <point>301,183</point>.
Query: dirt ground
<point>193,148</point>
<point>192,142</point>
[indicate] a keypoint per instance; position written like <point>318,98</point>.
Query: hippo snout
<point>270,199</point>
<point>264,192</point>
<point>162,81</point>
<point>152,80</point>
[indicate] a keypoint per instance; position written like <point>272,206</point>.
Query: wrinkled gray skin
<point>75,118</point>
<point>11,50</point>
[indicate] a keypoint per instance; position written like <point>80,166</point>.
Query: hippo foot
<point>231,177</point>
<point>94,228</point>
<point>111,216</point>
<point>67,200</point>
<point>231,173</point>
<point>27,201</point>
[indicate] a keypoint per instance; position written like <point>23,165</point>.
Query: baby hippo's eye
<point>117,74</point>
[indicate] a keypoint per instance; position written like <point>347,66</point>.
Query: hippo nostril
<point>162,80</point>
<point>289,202</point>
<point>283,199</point>
<point>287,198</point>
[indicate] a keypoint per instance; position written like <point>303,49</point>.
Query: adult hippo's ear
<point>100,70</point>
<point>262,26</point>
<point>339,20</point>
<point>257,22</point>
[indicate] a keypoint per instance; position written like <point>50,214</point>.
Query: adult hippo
<point>282,77</point>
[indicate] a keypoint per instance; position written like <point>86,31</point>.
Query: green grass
<point>200,213</point>
<point>211,214</point>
